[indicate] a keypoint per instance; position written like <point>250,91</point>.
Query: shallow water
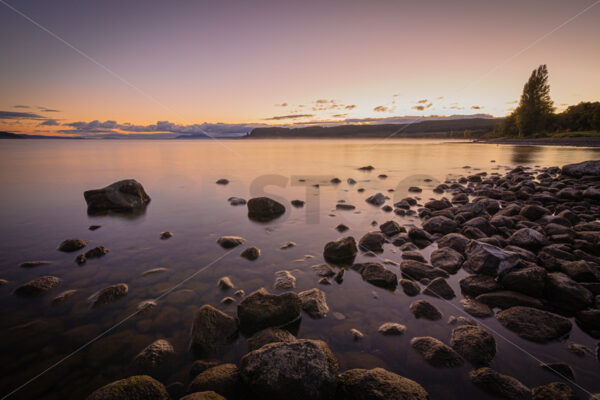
<point>42,204</point>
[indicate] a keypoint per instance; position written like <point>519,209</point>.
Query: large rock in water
<point>212,329</point>
<point>305,369</point>
<point>586,168</point>
<point>38,286</point>
<point>126,195</point>
<point>108,295</point>
<point>474,343</point>
<point>261,309</point>
<point>440,224</point>
<point>269,335</point>
<point>372,241</point>
<point>483,258</point>
<point>264,209</point>
<point>533,324</point>
<point>555,391</point>
<point>223,379</point>
<point>376,274</point>
<point>567,294</point>
<point>500,385</point>
<point>135,387</point>
<point>435,352</point>
<point>342,250</point>
<point>377,384</point>
<point>314,303</point>
<point>155,359</point>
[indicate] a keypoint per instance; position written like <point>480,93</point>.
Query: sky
<point>81,67</point>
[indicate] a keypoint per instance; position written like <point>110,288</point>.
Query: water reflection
<point>525,154</point>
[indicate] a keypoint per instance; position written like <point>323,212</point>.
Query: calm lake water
<point>42,204</point>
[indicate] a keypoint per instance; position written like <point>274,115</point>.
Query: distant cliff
<point>429,128</point>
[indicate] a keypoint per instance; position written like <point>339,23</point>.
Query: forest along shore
<point>572,141</point>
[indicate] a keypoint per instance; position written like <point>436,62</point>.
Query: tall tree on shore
<point>535,107</point>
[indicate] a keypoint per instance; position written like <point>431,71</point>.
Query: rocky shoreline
<point>529,241</point>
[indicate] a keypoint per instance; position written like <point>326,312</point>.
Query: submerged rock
<point>500,385</point>
<point>314,303</point>
<point>123,196</point>
<point>212,329</point>
<point>229,242</point>
<point>38,286</point>
<point>561,369</point>
<point>323,270</point>
<point>225,283</point>
<point>236,201</point>
<point>63,296</point>
<point>269,335</point>
<point>506,298</point>
<point>284,280</point>
<point>435,352</point>
<point>166,235</point>
<point>261,309</point>
<point>33,264</point>
<point>377,384</point>
<point>264,209</point>
<point>96,252</point>
<point>251,253</point>
<point>391,329</point>
<point>70,245</point>
<point>134,387</point>
<point>222,181</point>
<point>554,391</point>
<point>474,344</point>
<point>108,295</point>
<point>342,250</point>
<point>533,324</point>
<point>424,309</point>
<point>155,358</point>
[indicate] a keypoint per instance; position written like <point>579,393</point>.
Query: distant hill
<point>8,135</point>
<point>429,128</point>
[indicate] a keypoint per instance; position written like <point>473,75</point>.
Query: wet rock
<point>63,296</point>
<point>324,281</point>
<point>377,384</point>
<point>166,235</point>
<point>38,286</point>
<point>581,271</point>
<point>287,245</point>
<point>506,298</point>
<point>474,344</point>
<point>314,303</point>
<point>440,224</point>
<point>500,385</point>
<point>424,309</point>
<point>435,352</point>
<point>415,189</point>
<point>342,206</point>
<point>223,379</point>
<point>227,300</point>
<point>297,203</point>
<point>251,253</point>
<point>206,395</point>
<point>3,282</point>
<point>586,168</point>
<point>145,306</point>
<point>323,270</point>
<point>342,250</point>
<point>391,329</point>
<point>476,284</point>
<point>123,196</point>
<point>533,212</point>
<point>222,181</point>
<point>376,274</point>
<point>533,324</point>
<point>155,358</point>
<point>269,335</point>
<point>229,242</point>
<point>561,369</point>
<point>261,309</point>
<point>71,245</point>
<point>372,241</point>
<point>94,227</point>
<point>527,238</point>
<point>447,259</point>
<point>351,181</point>
<point>589,321</point>
<point>391,228</point>
<point>554,391</point>
<point>264,209</point>
<point>134,387</point>
<point>377,199</point>
<point>410,287</point>
<point>108,295</point>
<point>420,237</point>
<point>482,258</point>
<point>530,280</point>
<point>236,201</point>
<point>96,252</point>
<point>565,293</point>
<point>200,366</point>
<point>211,330</point>
<point>154,271</point>
<point>297,370</point>
<point>341,228</point>
<point>439,288</point>
<point>413,255</point>
<point>356,334</point>
<point>284,280</point>
<point>418,271</point>
<point>225,283</point>
<point>33,264</point>
<point>578,349</point>
<point>456,241</point>
<point>367,168</point>
<point>476,308</point>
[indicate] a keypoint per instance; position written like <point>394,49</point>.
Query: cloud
<point>422,101</point>
<point>381,109</point>
<point>21,106</point>
<point>290,116</point>
<point>284,104</point>
<point>19,115</point>
<point>476,107</point>
<point>48,109</point>
<point>49,122</point>
<point>339,115</point>
<point>350,106</point>
<point>418,108</point>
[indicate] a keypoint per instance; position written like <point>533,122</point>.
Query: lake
<point>42,204</point>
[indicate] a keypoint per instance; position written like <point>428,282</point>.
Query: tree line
<point>535,114</point>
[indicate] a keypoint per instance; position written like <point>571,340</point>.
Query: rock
<point>439,288</point>
<point>418,271</point>
<point>533,212</point>
<point>284,280</point>
<point>415,189</point>
<point>261,309</point>
<point>377,384</point>
<point>154,271</point>
<point>581,271</point>
<point>264,209</point>
<point>134,387</point>
<point>323,270</point>
<point>96,252</point>
<point>229,242</point>
<point>33,264</point>
<point>506,298</point>
<point>145,306</point>
<point>236,201</point>
<point>269,335</point>
<point>342,206</point>
<point>410,287</point>
<point>94,227</point>
<point>206,395</point>
<point>533,324</point>
<point>223,379</point>
<point>367,168</point>
<point>456,241</point>
<point>123,196</point>
<point>212,330</point>
<point>474,344</point>
<point>227,300</point>
<point>447,259</point>
<point>166,235</point>
<point>154,359</point>
<point>578,349</point>
<point>377,199</point>
<point>251,253</point>
<point>391,329</point>
<point>482,258</point>
<point>527,238</point>
<point>314,303</point>
<point>342,250</point>
<point>297,203</point>
<point>554,391</point>
<point>38,286</point>
<point>71,245</point>
<point>356,334</point>
<point>420,237</point>
<point>561,369</point>
<point>565,293</point>
<point>589,321</point>
<point>63,296</point>
<point>424,309</point>
<point>3,282</point>
<point>530,280</point>
<point>376,274</point>
<point>200,366</point>
<point>476,308</point>
<point>413,255</point>
<point>440,224</point>
<point>222,181</point>
<point>225,283</point>
<point>391,228</point>
<point>341,228</point>
<point>586,168</point>
<point>499,385</point>
<point>372,241</point>
<point>287,245</point>
<point>435,352</point>
<point>476,284</point>
<point>108,295</point>
<point>297,370</point>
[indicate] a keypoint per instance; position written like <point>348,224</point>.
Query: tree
<point>535,107</point>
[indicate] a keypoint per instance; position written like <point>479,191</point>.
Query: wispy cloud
<point>49,122</point>
<point>19,115</point>
<point>284,104</point>
<point>43,109</point>
<point>290,116</point>
<point>422,101</point>
<point>21,106</point>
<point>381,109</point>
<point>476,107</point>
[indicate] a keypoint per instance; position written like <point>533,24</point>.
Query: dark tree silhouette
<point>535,108</point>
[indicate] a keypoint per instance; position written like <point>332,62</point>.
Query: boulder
<point>108,295</point>
<point>527,238</point>
<point>476,308</point>
<point>284,280</point>
<point>448,259</point>
<point>223,379</point>
<point>567,294</point>
<point>391,228</point>
<point>456,241</point>
<point>297,370</point>
<point>435,352</point>
<point>561,369</point>
<point>391,329</point>
<point>376,274</point>
<point>342,250</point>
<point>372,241</point>
<point>377,384</point>
<point>155,358</point>
<point>212,329</point>
<point>261,309</point>
<point>229,242</point>
<point>38,286</point>
<point>506,298</point>
<point>314,303</point>
<point>420,237</point>
<point>269,335</point>
<point>581,271</point>
<point>264,209</point>
<point>533,324</point>
<point>474,344</point>
<point>586,168</point>
<point>413,255</point>
<point>71,245</point>
<point>410,287</point>
<point>530,280</point>
<point>440,224</point>
<point>123,196</point>
<point>482,258</point>
<point>376,199</point>
<point>554,391</point>
<point>134,387</point>
<point>499,385</point>
<point>533,212</point>
<point>476,284</point>
<point>424,309</point>
<point>439,288</point>
<point>251,253</point>
<point>418,271</point>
